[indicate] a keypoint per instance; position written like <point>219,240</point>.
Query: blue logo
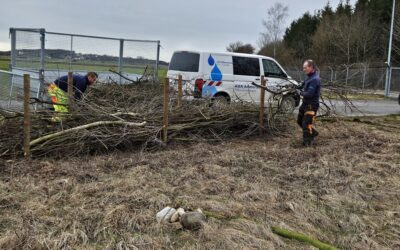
<point>216,74</point>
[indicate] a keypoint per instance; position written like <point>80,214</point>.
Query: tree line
<point>332,36</point>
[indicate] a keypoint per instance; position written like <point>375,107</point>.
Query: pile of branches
<point>119,117</point>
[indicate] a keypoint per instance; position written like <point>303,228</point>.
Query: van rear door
<point>188,65</point>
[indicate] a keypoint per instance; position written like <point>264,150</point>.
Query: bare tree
<point>274,25</point>
<point>364,32</point>
<point>240,47</point>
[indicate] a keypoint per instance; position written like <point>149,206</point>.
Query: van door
<point>246,70</point>
<point>187,64</point>
<point>274,74</point>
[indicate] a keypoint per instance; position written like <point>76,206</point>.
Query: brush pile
<point>118,117</point>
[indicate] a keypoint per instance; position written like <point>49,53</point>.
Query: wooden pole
<point>262,105</point>
<point>27,116</point>
<point>70,91</point>
<point>166,108</point>
<point>180,92</point>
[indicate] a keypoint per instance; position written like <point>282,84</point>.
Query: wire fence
<point>364,76</point>
<point>49,55</point>
<point>12,90</point>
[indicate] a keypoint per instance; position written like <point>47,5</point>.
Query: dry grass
<point>344,191</point>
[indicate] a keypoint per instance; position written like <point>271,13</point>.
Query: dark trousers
<point>305,119</point>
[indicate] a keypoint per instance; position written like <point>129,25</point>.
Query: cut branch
<point>86,126</point>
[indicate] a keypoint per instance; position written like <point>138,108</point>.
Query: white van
<point>228,75</point>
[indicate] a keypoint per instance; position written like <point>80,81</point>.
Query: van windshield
<point>185,61</point>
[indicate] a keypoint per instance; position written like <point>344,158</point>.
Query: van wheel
<point>287,105</point>
<point>220,100</point>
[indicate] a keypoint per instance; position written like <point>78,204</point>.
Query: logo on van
<point>216,74</point>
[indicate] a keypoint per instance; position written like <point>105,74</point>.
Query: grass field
<point>86,66</point>
<point>344,191</point>
<point>4,63</point>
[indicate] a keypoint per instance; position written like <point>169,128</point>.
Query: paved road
<point>370,107</point>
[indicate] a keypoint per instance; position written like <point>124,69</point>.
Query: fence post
<point>70,91</point>
<point>331,73</point>
<point>157,61</point>
<point>42,56</point>
<point>121,57</point>
<point>166,108</point>
<point>262,105</point>
<point>347,74</point>
<point>364,76</point>
<point>13,48</point>
<point>71,53</point>
<point>180,92</point>
<point>27,117</point>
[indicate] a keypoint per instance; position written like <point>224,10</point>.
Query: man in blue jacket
<point>310,91</point>
<point>59,88</point>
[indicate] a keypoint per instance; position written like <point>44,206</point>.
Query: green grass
<point>85,66</point>
<point>4,63</point>
<point>354,95</point>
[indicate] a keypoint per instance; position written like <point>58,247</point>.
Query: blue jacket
<point>80,84</point>
<point>311,90</point>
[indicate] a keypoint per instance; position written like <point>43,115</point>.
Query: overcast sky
<point>207,25</point>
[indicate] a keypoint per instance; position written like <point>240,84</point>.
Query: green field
<point>85,65</point>
<point>4,62</point>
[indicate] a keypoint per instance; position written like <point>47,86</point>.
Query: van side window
<point>272,69</point>
<point>246,66</point>
<point>185,61</point>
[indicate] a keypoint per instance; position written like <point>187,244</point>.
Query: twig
<point>121,75</point>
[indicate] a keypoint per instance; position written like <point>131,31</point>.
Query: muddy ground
<point>345,190</point>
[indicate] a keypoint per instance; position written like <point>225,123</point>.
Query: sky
<point>204,25</point>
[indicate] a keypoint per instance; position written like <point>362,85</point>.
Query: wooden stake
<point>262,105</point>
<point>180,92</point>
<point>70,91</point>
<point>27,116</point>
<point>166,108</point>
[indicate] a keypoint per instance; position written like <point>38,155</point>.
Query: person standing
<point>310,90</point>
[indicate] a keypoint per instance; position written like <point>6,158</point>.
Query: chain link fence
<point>49,55</point>
<point>12,90</point>
<point>395,79</point>
<point>363,76</point>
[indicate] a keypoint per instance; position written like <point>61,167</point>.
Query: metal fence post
<point>389,60</point>
<point>71,53</point>
<point>42,56</point>
<point>121,57</point>
<point>364,76</point>
<point>390,81</point>
<point>157,61</point>
<point>13,48</point>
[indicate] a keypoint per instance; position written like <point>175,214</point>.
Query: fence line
<point>50,55</point>
<point>12,90</point>
<point>362,75</point>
